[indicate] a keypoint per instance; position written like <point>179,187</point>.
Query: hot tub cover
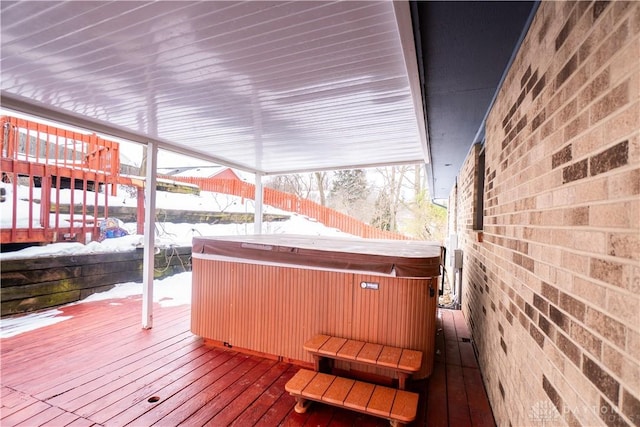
<point>402,258</point>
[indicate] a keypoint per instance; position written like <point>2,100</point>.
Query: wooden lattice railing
<point>44,159</point>
<point>39,143</point>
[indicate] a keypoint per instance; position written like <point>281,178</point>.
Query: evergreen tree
<point>349,192</point>
<point>351,185</point>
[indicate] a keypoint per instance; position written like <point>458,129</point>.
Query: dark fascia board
<point>464,51</point>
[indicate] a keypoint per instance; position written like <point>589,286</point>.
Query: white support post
<point>149,236</point>
<point>257,219</point>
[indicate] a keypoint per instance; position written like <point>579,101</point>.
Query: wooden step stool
<point>401,360</point>
<point>398,406</point>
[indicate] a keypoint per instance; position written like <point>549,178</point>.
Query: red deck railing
<point>35,142</point>
<point>46,158</point>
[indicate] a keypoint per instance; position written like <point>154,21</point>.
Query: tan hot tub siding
<point>274,310</point>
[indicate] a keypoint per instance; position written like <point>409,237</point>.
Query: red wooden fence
<point>292,203</point>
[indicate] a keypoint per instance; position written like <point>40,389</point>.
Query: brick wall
<point>552,293</point>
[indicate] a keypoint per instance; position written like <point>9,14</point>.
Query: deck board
<point>225,396</point>
<point>63,419</point>
<point>99,368</point>
<point>44,417</point>
<point>259,408</point>
<point>111,392</point>
<point>85,375</point>
<point>119,379</point>
<point>22,416</point>
<point>242,401</point>
<point>181,405</point>
<point>173,392</point>
<point>121,408</point>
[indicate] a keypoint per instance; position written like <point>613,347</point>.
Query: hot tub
<point>268,294</point>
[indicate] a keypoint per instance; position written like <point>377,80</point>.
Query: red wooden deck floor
<point>100,368</point>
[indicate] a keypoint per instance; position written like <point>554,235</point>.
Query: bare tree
<point>322,183</point>
<point>403,203</point>
<point>428,220</point>
<point>304,186</point>
<point>391,195</point>
<point>417,180</point>
<point>143,166</point>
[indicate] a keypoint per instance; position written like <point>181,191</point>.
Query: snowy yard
<point>167,234</point>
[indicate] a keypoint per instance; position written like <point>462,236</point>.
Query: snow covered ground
<point>206,202</point>
<point>170,291</point>
<point>167,234</point>
<point>174,290</point>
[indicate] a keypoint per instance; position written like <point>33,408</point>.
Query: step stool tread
<point>397,358</point>
<point>317,386</point>
<point>316,342</point>
<point>389,356</point>
<point>411,360</point>
<point>405,406</point>
<point>299,381</point>
<point>351,349</point>
<point>359,396</point>
<point>338,391</point>
<point>369,353</point>
<point>381,401</point>
<point>385,402</point>
<point>332,345</point>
